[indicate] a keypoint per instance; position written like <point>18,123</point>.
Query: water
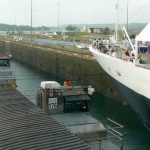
<point>53,42</point>
<point>58,42</point>
<point>29,78</point>
<point>136,137</point>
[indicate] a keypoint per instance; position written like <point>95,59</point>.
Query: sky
<point>45,12</point>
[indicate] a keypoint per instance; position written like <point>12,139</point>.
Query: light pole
<point>58,15</point>
<point>31,20</point>
<point>33,23</point>
<point>15,18</point>
<point>15,22</point>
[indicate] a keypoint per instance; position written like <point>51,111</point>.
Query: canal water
<point>136,137</point>
<point>58,42</point>
<point>53,42</point>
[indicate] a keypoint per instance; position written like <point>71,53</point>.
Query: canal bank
<point>65,63</point>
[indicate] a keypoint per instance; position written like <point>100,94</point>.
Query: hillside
<point>137,27</point>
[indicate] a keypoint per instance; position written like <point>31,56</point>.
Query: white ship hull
<point>135,80</point>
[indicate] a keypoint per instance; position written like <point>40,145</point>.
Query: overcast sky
<point>45,12</point>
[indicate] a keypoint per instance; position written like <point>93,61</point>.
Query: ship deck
<point>145,61</point>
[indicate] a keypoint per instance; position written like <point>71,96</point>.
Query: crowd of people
<point>98,44</point>
<point>127,53</point>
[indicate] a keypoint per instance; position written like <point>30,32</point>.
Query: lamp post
<point>15,18</point>
<point>31,20</point>
<point>58,15</point>
<point>15,22</point>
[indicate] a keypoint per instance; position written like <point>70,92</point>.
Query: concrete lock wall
<point>66,65</point>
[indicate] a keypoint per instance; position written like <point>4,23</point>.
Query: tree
<point>71,28</point>
<point>106,30</point>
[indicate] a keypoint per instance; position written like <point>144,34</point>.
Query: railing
<point>115,130</point>
<point>113,139</point>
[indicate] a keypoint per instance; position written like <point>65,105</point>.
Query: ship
<point>130,71</point>
<point>7,75</point>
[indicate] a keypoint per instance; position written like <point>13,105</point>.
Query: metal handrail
<point>115,122</point>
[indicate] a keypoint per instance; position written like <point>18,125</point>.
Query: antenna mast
<point>127,15</point>
<point>116,27</point>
